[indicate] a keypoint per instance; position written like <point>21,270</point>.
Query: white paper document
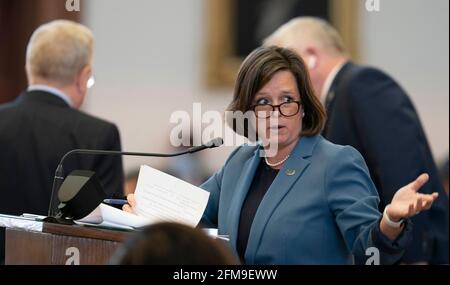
<point>159,197</point>
<point>107,216</point>
<point>162,197</point>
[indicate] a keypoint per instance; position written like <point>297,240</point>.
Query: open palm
<point>407,202</point>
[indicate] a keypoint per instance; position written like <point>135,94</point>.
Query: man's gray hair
<point>58,50</point>
<point>308,31</point>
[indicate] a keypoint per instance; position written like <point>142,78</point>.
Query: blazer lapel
<point>286,178</point>
<point>242,187</point>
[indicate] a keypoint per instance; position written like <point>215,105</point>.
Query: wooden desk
<point>61,244</point>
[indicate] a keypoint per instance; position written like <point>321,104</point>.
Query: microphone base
<point>56,220</point>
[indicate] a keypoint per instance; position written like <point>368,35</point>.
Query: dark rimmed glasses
<point>287,109</point>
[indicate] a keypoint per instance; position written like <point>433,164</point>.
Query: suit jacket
<point>368,110</point>
<point>321,208</point>
<point>36,130</point>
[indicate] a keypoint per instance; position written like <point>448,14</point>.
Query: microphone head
<point>214,143</point>
<point>80,193</point>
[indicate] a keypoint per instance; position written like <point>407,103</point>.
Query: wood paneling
<point>24,247</point>
<point>56,244</point>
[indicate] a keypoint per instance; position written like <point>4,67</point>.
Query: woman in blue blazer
<point>296,198</point>
<point>311,202</point>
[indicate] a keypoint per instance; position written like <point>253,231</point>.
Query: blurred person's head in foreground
<point>170,243</point>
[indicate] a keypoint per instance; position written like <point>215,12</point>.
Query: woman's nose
<point>276,110</point>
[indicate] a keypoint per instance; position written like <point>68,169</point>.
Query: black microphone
<point>59,173</point>
<point>211,144</point>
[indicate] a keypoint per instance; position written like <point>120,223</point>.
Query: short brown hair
<point>259,67</point>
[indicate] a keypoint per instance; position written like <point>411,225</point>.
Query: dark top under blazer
<point>368,110</point>
<point>322,207</point>
<point>36,130</point>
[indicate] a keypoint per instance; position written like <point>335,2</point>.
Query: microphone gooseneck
<point>59,173</point>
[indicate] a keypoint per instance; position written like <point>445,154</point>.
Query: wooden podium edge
<point>86,232</point>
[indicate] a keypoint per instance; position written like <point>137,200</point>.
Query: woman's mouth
<point>276,128</point>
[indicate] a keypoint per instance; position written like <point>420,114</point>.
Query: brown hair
<point>169,243</point>
<point>258,68</point>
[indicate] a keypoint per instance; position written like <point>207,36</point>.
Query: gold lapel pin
<point>290,172</point>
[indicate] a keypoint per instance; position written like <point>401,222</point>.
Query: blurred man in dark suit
<point>44,122</point>
<point>368,110</point>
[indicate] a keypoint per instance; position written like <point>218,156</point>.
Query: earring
<point>303,114</point>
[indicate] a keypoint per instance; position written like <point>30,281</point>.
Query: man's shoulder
<point>55,117</point>
<point>88,126</point>
<point>363,74</point>
<point>91,120</point>
<point>360,82</point>
<point>9,108</point>
<point>49,111</point>
<point>9,114</point>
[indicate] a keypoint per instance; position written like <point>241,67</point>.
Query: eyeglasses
<point>90,82</point>
<point>287,109</point>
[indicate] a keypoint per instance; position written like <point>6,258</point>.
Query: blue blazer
<point>322,208</point>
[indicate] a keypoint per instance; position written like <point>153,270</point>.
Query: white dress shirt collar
<point>51,90</point>
<point>327,84</point>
